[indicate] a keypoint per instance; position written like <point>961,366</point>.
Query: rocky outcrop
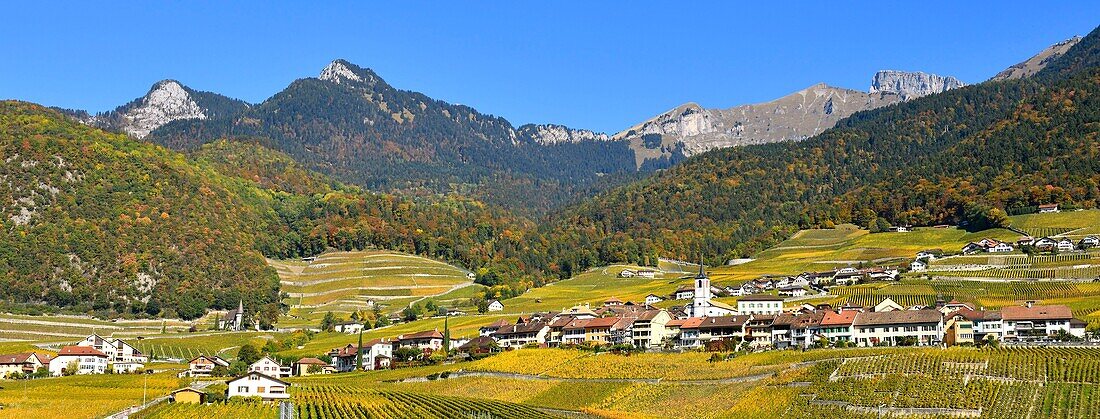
<point>1037,62</point>
<point>556,134</point>
<point>911,85</point>
<point>790,118</point>
<point>167,101</point>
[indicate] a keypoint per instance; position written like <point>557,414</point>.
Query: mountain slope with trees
<point>963,156</point>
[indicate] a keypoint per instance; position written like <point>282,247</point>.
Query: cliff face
<point>790,118</point>
<point>911,85</point>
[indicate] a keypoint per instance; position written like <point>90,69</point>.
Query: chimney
<point>1030,303</point>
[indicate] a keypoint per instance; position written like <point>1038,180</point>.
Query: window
<point>260,389</point>
<point>242,389</point>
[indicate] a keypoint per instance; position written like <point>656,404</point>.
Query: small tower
<point>238,317</point>
<point>702,292</point>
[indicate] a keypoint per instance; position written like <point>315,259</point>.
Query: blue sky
<point>596,65</point>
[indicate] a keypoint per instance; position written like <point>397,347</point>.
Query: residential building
<point>22,363</point>
<point>1089,241</point>
<point>627,273</point>
<point>647,273</point>
<point>916,327</point>
<point>351,328</point>
<point>685,292</point>
<point>311,366</point>
<point>376,354</point>
<point>479,345</point>
<point>652,299</point>
<point>836,326</point>
<point>427,341</point>
<point>85,359</point>
<point>255,384</point>
<point>792,291</point>
<point>268,366</point>
<point>491,328</point>
<point>958,328</point>
<point>918,265</point>
<point>688,336</point>
<point>203,365</point>
<point>1048,208</point>
<point>722,328</point>
<point>648,330</point>
<point>760,304</point>
<point>987,245</point>
<point>1045,244</point>
<point>1034,322</point>
<point>519,335</point>
<point>1065,245</point>
<point>496,305</point>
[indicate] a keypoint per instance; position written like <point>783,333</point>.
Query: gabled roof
<point>230,382</point>
<point>723,306</point>
<point>215,359</point>
<point>723,321</point>
<point>1015,313</point>
<point>688,323</point>
<point>21,358</point>
<point>897,317</point>
<point>496,325</point>
<point>478,342</point>
<point>649,314</point>
<point>311,361</point>
<point>601,322</point>
<point>843,318</point>
<point>188,389</point>
<point>531,327</point>
<point>80,351</point>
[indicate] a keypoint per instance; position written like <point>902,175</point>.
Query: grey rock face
<point>911,85</point>
<point>1037,62</point>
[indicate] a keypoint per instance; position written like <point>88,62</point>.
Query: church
<point>234,319</point>
<point>701,305</point>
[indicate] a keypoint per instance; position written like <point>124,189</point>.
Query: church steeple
<point>702,272</point>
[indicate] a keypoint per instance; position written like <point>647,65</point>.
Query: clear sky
<point>589,64</point>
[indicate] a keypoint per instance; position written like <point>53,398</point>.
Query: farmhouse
<point>496,305</point>
<point>23,363</point>
<point>203,365</point>
<point>760,304</point>
<point>79,360</point>
<point>1048,208</point>
<point>647,273</point>
<point>255,384</point>
<point>1065,245</point>
<point>908,327</point>
<point>987,245</point>
<point>270,367</point>
<point>653,299</point>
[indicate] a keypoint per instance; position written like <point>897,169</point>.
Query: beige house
<point>649,329</point>
<point>23,363</point>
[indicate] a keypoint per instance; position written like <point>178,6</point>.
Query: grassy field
<point>343,282</point>
<point>594,287</point>
<point>56,328</point>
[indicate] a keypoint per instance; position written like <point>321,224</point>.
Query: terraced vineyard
<point>74,328</point>
<point>343,282</point>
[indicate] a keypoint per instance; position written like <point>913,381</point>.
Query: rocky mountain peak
<point>911,85</point>
<point>166,101</point>
<point>341,71</point>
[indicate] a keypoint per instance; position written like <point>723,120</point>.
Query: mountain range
<point>349,123</point>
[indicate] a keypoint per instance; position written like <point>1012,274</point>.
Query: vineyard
<point>82,396</point>
<point>337,402</point>
<point>216,410</point>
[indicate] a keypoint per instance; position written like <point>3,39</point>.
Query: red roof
<point>688,323</point>
<point>22,358</point>
<point>601,322</point>
<point>80,350</point>
<point>311,361</point>
<point>844,318</point>
<point>427,334</point>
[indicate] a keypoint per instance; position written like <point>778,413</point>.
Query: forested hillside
<point>352,125</point>
<point>966,155</point>
<point>98,222</point>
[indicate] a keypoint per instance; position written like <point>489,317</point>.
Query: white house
<point>122,356</point>
<point>627,273</point>
<point>647,273</point>
<point>270,367</point>
<point>652,299</point>
<point>760,304</point>
<point>85,359</point>
<point>351,328</point>
<point>496,305</point>
<point>376,354</point>
<point>255,384</point>
<point>1065,245</point>
<point>519,335</point>
<point>792,291</point>
<point>917,265</point>
<point>1045,243</point>
<point>1034,322</point>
